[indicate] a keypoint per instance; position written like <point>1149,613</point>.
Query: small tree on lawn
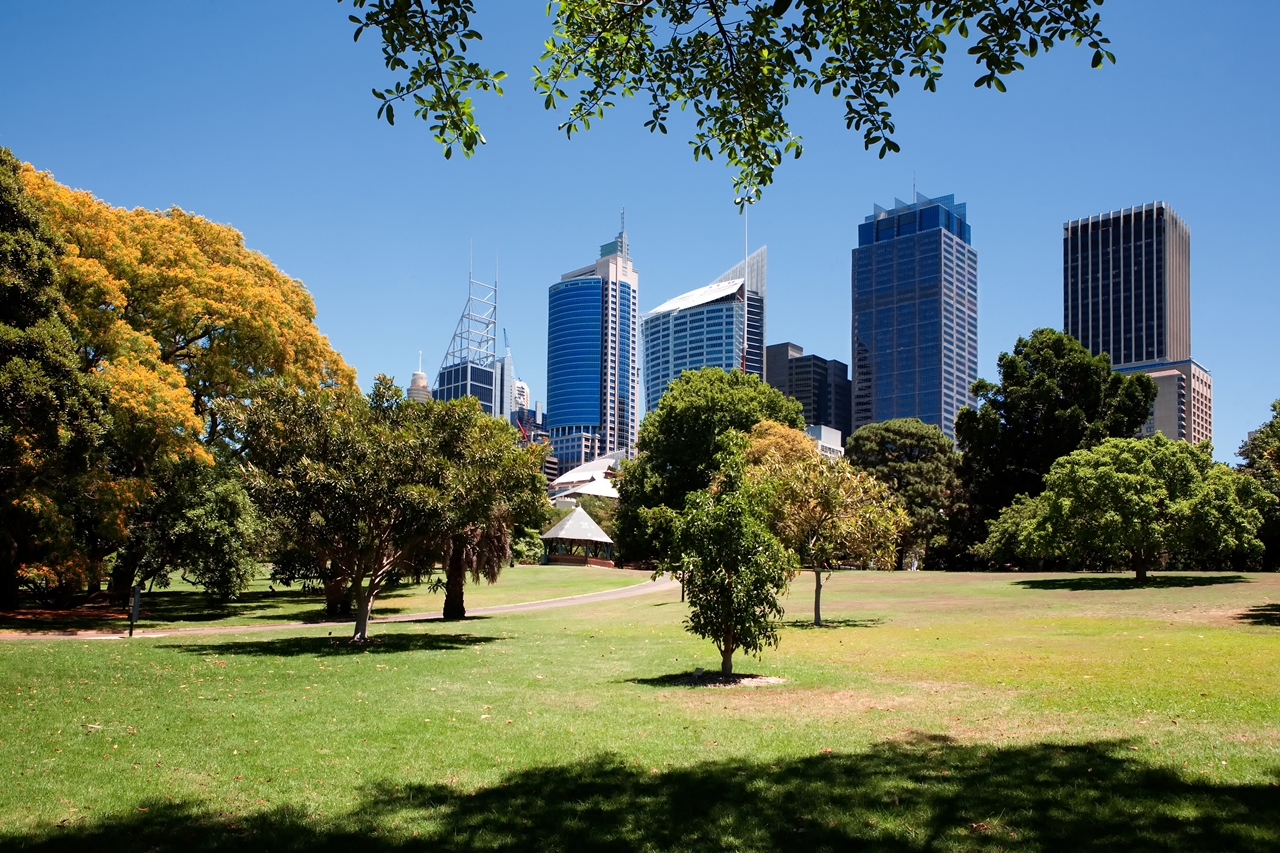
<point>734,569</point>
<point>1137,504</point>
<point>829,514</point>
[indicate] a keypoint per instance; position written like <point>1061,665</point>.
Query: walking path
<point>645,588</point>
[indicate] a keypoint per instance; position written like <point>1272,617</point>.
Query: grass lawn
<point>186,606</point>
<point>937,712</point>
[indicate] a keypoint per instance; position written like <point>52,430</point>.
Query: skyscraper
<point>822,386</point>
<point>471,366</point>
<point>720,325</point>
<point>1126,291</point>
<point>593,374</point>
<point>915,313</point>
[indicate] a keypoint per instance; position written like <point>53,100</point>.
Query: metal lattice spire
<point>475,339</point>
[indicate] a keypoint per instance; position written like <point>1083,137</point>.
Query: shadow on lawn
<point>1264,614</point>
<point>341,645</point>
<point>924,794</point>
<point>834,623</point>
<point>1120,582</point>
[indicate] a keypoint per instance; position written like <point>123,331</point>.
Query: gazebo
<point>577,541</point>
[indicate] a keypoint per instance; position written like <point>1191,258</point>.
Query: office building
<point>1126,291</point>
<point>915,313</point>
<point>821,385</point>
<point>593,373</point>
<point>519,395</point>
<point>471,366</point>
<point>418,389</point>
<point>720,325</point>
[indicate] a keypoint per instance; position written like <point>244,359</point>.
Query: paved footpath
<point>645,588</point>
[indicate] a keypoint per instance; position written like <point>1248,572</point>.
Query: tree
<point>734,568</point>
<point>829,515</point>
<point>52,414</point>
<point>363,490</point>
<point>1054,397</point>
<point>678,444</point>
<point>772,441</point>
<point>919,463</point>
<point>1138,504</point>
<point>197,520</point>
<point>737,63</point>
<point>1261,454</point>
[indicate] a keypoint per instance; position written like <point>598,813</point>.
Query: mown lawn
<point>264,603</point>
<point>936,712</point>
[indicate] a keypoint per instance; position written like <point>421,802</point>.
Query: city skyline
<point>380,240</point>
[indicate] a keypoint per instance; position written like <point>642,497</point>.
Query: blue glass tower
<point>720,325</point>
<point>593,375</point>
<point>915,314</point>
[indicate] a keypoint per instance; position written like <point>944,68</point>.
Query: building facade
<point>720,325</point>
<point>1126,292</point>
<point>822,385</point>
<point>471,366</point>
<point>915,313</point>
<point>593,373</point>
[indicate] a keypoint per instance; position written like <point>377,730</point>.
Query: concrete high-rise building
<point>720,325</point>
<point>915,313</point>
<point>418,389</point>
<point>593,373</point>
<point>821,385</point>
<point>1126,291</point>
<point>519,395</point>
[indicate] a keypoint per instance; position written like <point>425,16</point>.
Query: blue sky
<point>259,115</point>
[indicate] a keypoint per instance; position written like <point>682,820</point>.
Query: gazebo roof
<point>600,488</point>
<point>578,527</point>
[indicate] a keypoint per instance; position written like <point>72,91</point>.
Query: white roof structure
<point>602,488</point>
<point>577,526</point>
<point>597,469</point>
<point>701,296</point>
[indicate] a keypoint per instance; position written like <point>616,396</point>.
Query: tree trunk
<point>9,574</point>
<point>726,662</point>
<point>364,608</point>
<point>455,578</point>
<point>336,600</point>
<point>1141,571</point>
<point>817,596</point>
<point>121,583</point>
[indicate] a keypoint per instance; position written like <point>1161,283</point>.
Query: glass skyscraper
<point>821,385</point>
<point>720,325</point>
<point>593,374</point>
<point>915,313</point>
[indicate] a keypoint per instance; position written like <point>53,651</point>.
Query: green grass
<point>264,603</point>
<point>937,712</point>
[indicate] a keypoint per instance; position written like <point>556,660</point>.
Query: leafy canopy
<point>734,63</point>
<point>1053,397</point>
<point>678,445</point>
<point>1261,455</point>
<point>1140,504</point>
<point>919,464</point>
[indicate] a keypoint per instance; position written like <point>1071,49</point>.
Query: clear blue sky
<point>259,115</point>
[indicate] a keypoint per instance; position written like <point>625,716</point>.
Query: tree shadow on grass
<point>707,678</point>
<point>920,794</point>
<point>280,647</point>
<point>803,624</point>
<point>1122,582</point>
<point>1267,615</point>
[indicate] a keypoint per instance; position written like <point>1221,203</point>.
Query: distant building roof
<point>701,296</point>
<point>577,526</point>
<point>596,469</point>
<point>602,487</point>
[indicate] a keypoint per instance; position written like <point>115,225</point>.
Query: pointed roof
<point>601,488</point>
<point>578,527</point>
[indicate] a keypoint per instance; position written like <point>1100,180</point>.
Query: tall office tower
<point>821,385</point>
<point>720,325</point>
<point>519,395</point>
<point>1126,291</point>
<point>593,373</point>
<point>418,389</point>
<point>471,366</point>
<point>915,314</point>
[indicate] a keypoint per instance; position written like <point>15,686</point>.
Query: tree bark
<point>726,662</point>
<point>1141,571</point>
<point>121,583</point>
<point>455,578</point>
<point>336,601</point>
